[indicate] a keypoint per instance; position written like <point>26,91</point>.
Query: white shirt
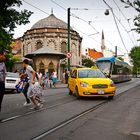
<point>29,70</point>
<point>54,74</point>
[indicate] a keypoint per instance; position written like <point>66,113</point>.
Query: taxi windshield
<point>89,73</point>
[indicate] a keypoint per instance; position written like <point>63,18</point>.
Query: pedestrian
<point>54,78</point>
<point>31,90</point>
<point>63,78</point>
<point>40,79</point>
<point>66,76</point>
<point>23,86</point>
<point>46,79</point>
<point>2,77</point>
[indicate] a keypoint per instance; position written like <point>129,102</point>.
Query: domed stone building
<point>46,44</point>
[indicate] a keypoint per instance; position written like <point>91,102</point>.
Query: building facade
<point>51,34</point>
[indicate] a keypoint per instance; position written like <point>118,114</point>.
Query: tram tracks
<point>60,102</point>
<point>46,107</point>
<point>73,118</point>
<point>68,121</point>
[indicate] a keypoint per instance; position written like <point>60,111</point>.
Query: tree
<point>9,18</point>
<point>136,5</point>
<point>87,62</point>
<point>120,58</point>
<point>135,58</point>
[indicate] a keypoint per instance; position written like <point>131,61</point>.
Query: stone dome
<point>50,22</point>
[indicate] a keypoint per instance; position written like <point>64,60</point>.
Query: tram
<point>117,70</point>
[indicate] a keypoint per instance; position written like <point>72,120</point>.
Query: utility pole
<point>68,38</point>
<point>115,51</point>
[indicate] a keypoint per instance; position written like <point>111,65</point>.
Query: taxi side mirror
<point>107,75</point>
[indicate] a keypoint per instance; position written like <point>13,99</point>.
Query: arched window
<point>42,67</point>
<point>52,44</point>
<point>39,45</point>
<point>63,47</point>
<point>29,48</point>
<point>50,68</point>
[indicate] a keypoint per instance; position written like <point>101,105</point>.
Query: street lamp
<point>107,12</point>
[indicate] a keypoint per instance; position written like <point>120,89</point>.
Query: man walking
<point>32,75</point>
<point>2,77</point>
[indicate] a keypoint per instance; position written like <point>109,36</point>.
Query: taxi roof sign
<point>94,67</point>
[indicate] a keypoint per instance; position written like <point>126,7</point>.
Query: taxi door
<point>72,80</point>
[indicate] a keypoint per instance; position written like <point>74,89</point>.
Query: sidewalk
<point>61,85</point>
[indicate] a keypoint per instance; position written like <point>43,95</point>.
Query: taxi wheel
<point>110,97</point>
<point>77,93</point>
<point>70,92</point>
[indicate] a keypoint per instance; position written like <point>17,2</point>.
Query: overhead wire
<point>116,25</point>
<point>35,7</point>
<point>127,22</point>
<point>75,17</point>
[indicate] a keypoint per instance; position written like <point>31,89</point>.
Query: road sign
<point>68,54</point>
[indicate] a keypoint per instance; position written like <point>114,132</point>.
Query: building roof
<point>50,22</point>
<point>45,51</point>
<point>94,54</point>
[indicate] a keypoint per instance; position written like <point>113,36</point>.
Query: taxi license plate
<point>100,91</point>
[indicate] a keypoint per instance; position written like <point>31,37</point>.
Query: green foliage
<point>135,58</point>
<point>120,58</point>
<point>9,18</point>
<point>87,62</point>
<point>136,5</point>
<point>10,61</point>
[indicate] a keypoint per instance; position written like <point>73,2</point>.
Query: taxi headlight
<point>84,84</point>
<point>112,84</point>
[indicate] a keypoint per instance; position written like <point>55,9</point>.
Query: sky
<point>88,23</point>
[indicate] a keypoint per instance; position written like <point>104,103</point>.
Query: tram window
<point>120,71</point>
<point>104,66</point>
<point>126,70</point>
<point>117,69</point>
<point>114,71</point>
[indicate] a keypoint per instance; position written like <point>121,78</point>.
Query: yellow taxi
<point>90,82</point>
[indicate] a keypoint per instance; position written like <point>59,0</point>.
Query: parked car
<point>11,80</point>
<point>90,82</point>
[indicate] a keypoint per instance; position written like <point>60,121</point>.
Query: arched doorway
<point>51,68</point>
<point>42,67</point>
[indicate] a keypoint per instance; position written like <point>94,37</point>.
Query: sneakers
<point>42,101</point>
<point>39,106</point>
<point>27,104</point>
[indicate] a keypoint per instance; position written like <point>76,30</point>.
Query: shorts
<point>34,90</point>
<point>54,79</point>
<point>30,92</point>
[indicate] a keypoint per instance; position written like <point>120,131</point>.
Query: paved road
<point>116,120</point>
<point>23,123</point>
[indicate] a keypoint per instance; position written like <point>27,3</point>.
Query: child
<point>22,86</point>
